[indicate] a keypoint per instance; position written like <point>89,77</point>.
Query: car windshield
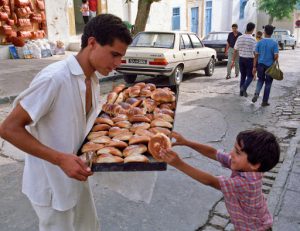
<point>216,36</point>
<point>159,40</point>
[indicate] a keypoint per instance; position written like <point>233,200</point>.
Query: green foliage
<point>278,9</point>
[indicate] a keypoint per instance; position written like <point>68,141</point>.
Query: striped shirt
<point>244,199</point>
<point>245,44</point>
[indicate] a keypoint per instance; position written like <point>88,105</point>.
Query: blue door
<point>208,11</point>
<point>176,18</point>
<point>194,20</point>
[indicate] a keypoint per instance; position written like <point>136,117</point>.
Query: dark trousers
<point>85,19</point>
<point>246,66</point>
<point>263,79</point>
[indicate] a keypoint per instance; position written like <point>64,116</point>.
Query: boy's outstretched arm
<point>173,159</point>
<point>206,150</point>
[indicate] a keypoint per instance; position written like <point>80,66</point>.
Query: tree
<point>142,15</point>
<point>277,9</point>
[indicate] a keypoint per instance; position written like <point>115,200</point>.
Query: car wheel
<point>220,60</point>
<point>130,78</point>
<point>176,77</point>
<point>293,47</point>
<point>282,46</point>
<point>209,70</point>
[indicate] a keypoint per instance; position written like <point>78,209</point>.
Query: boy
<point>255,152</point>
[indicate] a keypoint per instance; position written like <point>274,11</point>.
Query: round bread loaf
<point>157,143</point>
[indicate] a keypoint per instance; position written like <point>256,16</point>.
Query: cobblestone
<point>219,222</point>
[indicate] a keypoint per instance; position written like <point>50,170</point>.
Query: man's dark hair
<point>234,25</point>
<point>261,147</point>
<point>250,27</point>
<point>269,29</point>
<point>105,28</point>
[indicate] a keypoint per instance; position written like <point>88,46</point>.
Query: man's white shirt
<point>55,101</point>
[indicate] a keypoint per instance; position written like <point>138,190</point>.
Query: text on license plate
<point>138,61</point>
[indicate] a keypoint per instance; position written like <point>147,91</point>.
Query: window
<point>216,36</point>
<point>176,18</point>
<point>195,41</point>
<point>186,41</point>
<point>243,4</point>
<point>208,16</point>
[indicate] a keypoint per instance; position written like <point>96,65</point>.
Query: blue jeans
<point>263,79</point>
<point>246,65</point>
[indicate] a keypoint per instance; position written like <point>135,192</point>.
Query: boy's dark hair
<point>84,1</point>
<point>234,25</point>
<point>261,147</point>
<point>105,28</point>
<point>250,27</point>
<point>269,29</point>
<point>259,33</point>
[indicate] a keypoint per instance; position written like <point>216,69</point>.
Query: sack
<point>40,4</point>
<point>36,17</point>
<point>6,29</point>
<point>3,16</point>
<point>274,71</point>
<point>21,3</point>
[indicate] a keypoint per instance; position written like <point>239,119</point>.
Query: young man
<point>266,52</point>
<point>254,152</point>
<point>232,37</point>
<point>245,45</point>
<point>50,121</point>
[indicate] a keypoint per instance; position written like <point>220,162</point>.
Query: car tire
<point>220,60</point>
<point>293,47</point>
<point>130,78</point>
<point>176,77</point>
<point>282,45</point>
<point>209,70</point>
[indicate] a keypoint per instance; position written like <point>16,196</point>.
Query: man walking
<point>232,37</point>
<point>50,120</point>
<point>93,8</point>
<point>245,45</point>
<point>266,52</point>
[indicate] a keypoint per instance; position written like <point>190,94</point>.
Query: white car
<point>170,54</point>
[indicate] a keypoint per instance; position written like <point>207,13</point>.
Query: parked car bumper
<point>145,70</point>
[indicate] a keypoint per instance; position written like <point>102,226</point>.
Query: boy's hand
<point>170,157</point>
<point>180,140</point>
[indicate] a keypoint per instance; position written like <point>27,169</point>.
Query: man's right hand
<point>74,167</point>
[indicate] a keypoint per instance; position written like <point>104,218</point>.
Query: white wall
<point>58,19</point>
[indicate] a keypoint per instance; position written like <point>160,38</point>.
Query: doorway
<point>194,19</point>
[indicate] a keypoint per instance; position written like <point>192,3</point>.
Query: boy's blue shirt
<point>266,49</point>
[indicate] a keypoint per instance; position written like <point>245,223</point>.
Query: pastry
<point>156,130</point>
<point>134,150</point>
<point>100,127</point>
<point>101,120</point>
<point>165,117</point>
<point>142,125</point>
<point>164,111</point>
<point>119,88</point>
<point>149,105</point>
<point>107,158</point>
<point>139,118</point>
<point>101,140</point>
<point>110,150</point>
<point>123,124</point>
<point>89,146</point>
<point>157,143</point>
<point>117,144</point>
<point>136,158</point>
<point>161,123</point>
<point>120,117</point>
<point>143,132</point>
<point>111,97</point>
<point>93,135</point>
<point>136,139</point>
<point>124,136</point>
<point>163,96</point>
<point>113,131</point>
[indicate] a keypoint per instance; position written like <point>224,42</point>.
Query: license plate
<point>138,61</point>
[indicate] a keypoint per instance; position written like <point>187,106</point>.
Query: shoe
<point>254,99</point>
<point>228,77</point>
<point>265,104</point>
<point>241,93</point>
<point>245,94</point>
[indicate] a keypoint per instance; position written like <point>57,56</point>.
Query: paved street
<point>209,110</point>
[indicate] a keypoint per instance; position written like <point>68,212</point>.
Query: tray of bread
<point>132,127</point>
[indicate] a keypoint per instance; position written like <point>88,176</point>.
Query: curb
<point>278,189</point>
<point>10,99</point>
